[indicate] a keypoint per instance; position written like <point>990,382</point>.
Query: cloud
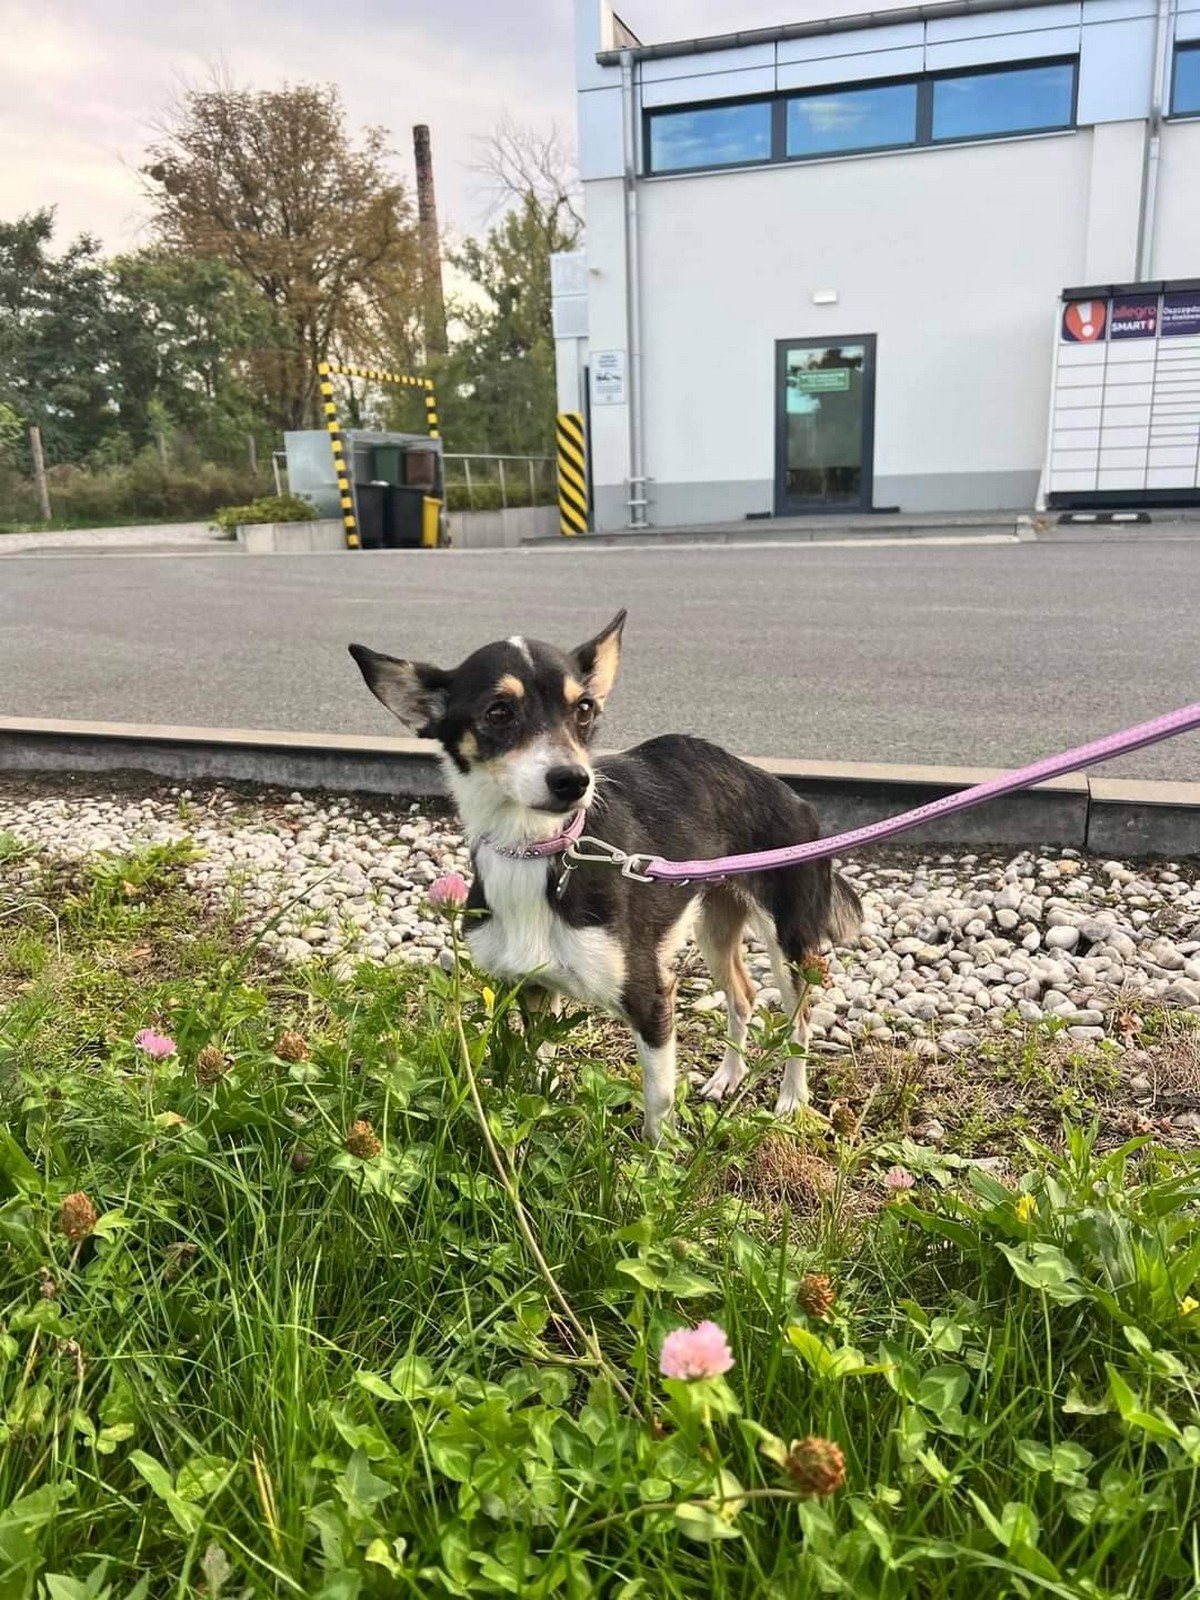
<point>85,79</point>
<point>84,84</point>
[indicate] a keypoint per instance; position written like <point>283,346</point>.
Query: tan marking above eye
<point>510,685</point>
<point>573,690</point>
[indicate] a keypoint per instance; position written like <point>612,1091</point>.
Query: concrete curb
<point>1102,816</point>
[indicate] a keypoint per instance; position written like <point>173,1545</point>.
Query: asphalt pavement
<point>968,654</point>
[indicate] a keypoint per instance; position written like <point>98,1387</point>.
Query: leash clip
<point>598,851</point>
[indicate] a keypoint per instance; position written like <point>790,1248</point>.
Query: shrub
<point>138,492</point>
<point>269,508</point>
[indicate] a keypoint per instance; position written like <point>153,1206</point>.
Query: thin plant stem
<point>508,1184</point>
<point>705,1503</point>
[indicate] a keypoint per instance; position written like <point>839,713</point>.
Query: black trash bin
<point>404,509</point>
<point>372,511</point>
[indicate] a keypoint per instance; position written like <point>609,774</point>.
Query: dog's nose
<point>567,783</point>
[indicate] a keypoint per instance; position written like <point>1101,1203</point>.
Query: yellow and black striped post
<point>572,475</point>
<point>340,465</point>
<point>406,380</point>
<point>431,411</point>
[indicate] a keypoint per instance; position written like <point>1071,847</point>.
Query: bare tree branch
<point>520,163</point>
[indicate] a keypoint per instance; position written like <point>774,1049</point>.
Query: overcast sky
<point>85,79</point>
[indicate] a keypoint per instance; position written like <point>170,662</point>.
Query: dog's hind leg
<point>793,1090</point>
<point>797,1000</point>
<point>792,940</point>
<point>719,931</point>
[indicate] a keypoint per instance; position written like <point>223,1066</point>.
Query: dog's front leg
<point>535,1002</point>
<point>650,1007</point>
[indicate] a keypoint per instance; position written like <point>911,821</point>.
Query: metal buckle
<point>635,867</point>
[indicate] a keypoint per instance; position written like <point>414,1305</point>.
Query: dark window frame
<point>989,70</point>
<point>793,506</point>
<point>1183,47</point>
<point>823,93</point>
<point>924,139</point>
<point>650,112</point>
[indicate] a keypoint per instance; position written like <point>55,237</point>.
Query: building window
<point>938,108</point>
<point>974,105</point>
<point>1185,90</point>
<point>828,123</point>
<point>710,136</point>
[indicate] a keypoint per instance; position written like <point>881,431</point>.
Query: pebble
<point>955,947</point>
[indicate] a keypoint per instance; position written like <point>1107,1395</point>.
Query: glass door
<point>824,424</point>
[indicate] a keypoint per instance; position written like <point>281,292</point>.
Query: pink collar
<point>545,847</point>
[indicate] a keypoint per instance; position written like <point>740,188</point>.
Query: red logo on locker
<point>1083,321</point>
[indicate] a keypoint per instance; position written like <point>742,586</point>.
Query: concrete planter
<point>494,530</point>
<point>469,530</point>
<point>291,538</point>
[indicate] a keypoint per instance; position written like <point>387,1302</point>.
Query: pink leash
<point>646,868</point>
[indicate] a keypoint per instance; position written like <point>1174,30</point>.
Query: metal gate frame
<point>406,380</point>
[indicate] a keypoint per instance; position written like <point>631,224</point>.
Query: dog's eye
<point>585,709</point>
<point>499,713</point>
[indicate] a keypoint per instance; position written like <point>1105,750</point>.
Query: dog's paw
<point>791,1099</point>
<point>725,1079</point>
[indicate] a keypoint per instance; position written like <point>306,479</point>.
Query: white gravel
<point>955,946</point>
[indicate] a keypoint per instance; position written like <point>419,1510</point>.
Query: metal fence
<point>479,482</point>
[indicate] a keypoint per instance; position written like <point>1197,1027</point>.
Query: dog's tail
<point>845,912</point>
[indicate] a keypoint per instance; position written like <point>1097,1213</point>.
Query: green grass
<point>279,1368</point>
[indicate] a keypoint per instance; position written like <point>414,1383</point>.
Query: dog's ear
<point>411,690</point>
<point>599,659</point>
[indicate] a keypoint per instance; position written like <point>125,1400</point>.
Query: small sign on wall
<point>1083,321</point>
<point>1181,314</point>
<point>822,380</point>
<point>1134,319</point>
<point>607,370</point>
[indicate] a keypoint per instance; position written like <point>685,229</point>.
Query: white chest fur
<point>525,938</point>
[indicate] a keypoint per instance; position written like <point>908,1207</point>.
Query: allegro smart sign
<point>1134,318</point>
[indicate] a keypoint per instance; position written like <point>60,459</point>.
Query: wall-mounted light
<point>825,297</point>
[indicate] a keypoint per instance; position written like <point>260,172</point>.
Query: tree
<point>499,390</point>
<point>271,182</point>
<point>54,336</point>
<point>188,337</point>
<point>521,163</point>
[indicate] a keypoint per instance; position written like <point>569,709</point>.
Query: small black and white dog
<point>515,721</point>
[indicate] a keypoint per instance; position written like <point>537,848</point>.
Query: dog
<point>516,722</point>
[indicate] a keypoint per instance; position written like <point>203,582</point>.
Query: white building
<point>914,259</point>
